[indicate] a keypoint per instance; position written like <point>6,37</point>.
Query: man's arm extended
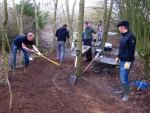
<point>26,48</point>
<point>35,48</point>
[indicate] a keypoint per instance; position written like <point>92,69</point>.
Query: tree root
<point>10,93</point>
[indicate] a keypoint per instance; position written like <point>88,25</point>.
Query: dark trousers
<point>89,54</point>
<point>88,42</point>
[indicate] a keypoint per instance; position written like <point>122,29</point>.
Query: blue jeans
<point>61,50</point>
<point>124,77</point>
<point>100,36</point>
<point>14,53</point>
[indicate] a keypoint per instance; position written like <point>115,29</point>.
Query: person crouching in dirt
<point>126,57</point>
<point>62,35</point>
<point>87,40</point>
<point>20,43</point>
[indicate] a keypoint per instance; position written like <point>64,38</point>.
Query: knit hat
<point>123,23</point>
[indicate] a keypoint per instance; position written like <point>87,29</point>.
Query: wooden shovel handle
<point>48,59</point>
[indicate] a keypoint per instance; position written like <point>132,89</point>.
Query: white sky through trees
<point>48,6</point>
<point>46,3</point>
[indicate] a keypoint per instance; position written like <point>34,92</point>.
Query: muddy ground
<point>44,88</point>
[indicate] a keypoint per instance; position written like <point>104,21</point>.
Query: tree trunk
<point>108,20</point>
<point>21,18</point>
<point>147,68</point>
<point>79,40</point>
<point>36,24</point>
<point>17,17</point>
<point>104,23</point>
<point>54,24</point>
<point>4,53</point>
<point>4,37</point>
<point>72,18</point>
<point>68,17</point>
<point>72,15</point>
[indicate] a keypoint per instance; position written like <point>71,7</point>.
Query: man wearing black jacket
<point>126,56</point>
<point>62,35</point>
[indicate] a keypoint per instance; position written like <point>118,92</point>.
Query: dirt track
<point>44,88</point>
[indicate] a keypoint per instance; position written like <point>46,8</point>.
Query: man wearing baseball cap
<point>125,56</point>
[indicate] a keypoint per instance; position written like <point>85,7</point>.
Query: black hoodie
<point>62,34</point>
<point>127,47</point>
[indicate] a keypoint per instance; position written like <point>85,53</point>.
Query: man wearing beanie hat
<point>123,23</point>
<point>125,56</point>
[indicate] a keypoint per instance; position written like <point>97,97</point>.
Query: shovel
<point>73,77</point>
<point>97,55</point>
<point>41,55</point>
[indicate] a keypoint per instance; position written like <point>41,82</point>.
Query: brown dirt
<point>44,88</point>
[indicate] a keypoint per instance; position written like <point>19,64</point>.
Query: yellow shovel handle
<point>48,59</point>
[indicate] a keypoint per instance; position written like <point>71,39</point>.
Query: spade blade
<point>72,80</point>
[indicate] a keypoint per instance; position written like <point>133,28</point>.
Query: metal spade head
<point>72,80</point>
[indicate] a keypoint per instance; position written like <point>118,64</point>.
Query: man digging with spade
<point>20,43</point>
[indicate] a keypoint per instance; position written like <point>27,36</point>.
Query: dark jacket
<point>62,34</point>
<point>88,33</point>
<point>87,36</point>
<point>127,47</point>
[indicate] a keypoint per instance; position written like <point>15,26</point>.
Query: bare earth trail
<point>44,88</point>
